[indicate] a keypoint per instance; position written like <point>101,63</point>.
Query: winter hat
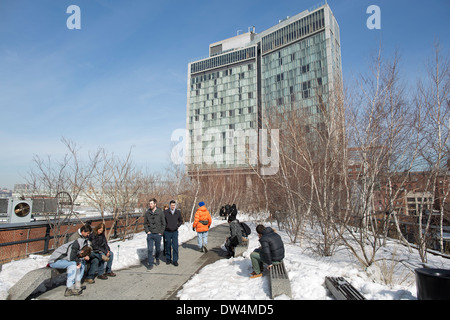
<point>201,204</point>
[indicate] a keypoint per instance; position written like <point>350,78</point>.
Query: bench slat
<point>341,289</point>
<point>279,281</point>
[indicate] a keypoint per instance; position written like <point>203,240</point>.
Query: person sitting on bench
<point>271,251</point>
<point>72,257</point>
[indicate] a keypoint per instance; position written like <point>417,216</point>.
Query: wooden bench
<point>341,289</point>
<point>279,281</point>
<point>28,284</point>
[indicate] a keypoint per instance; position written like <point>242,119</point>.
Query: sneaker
<point>72,292</point>
<point>149,268</point>
<point>175,264</point>
<point>201,249</point>
<point>90,281</point>
<point>255,275</point>
<point>205,248</point>
<point>157,262</point>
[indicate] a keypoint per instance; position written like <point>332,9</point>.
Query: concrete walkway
<point>161,283</point>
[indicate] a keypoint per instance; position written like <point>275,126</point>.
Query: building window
<point>305,94</point>
<point>280,77</point>
<point>305,68</point>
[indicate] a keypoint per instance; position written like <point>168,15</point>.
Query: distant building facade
<point>229,93</point>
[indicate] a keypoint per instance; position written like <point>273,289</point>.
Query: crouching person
<point>236,236</point>
<point>271,251</point>
<point>71,257</point>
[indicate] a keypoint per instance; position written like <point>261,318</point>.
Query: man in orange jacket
<point>202,222</point>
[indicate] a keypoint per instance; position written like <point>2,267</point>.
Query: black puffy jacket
<point>272,247</point>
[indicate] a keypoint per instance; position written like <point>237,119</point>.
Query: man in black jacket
<point>271,251</point>
<point>173,222</point>
<point>154,226</point>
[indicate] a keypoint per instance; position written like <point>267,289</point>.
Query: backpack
<point>245,229</point>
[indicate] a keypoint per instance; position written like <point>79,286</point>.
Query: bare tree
<point>380,134</point>
<point>310,185</point>
<point>433,113</point>
<point>56,177</point>
<point>115,187</point>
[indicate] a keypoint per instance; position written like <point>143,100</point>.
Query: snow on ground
<point>229,278</point>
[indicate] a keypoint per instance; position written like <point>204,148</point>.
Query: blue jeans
<point>202,239</point>
<point>108,264</point>
<point>171,244</point>
<point>73,274</point>
<point>153,238</point>
<point>98,265</point>
<point>95,260</point>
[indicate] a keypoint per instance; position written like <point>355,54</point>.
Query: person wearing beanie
<point>202,222</point>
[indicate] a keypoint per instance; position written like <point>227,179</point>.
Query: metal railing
<point>19,240</point>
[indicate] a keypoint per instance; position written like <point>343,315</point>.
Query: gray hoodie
<point>68,251</point>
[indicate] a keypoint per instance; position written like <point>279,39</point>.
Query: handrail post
<point>47,238</point>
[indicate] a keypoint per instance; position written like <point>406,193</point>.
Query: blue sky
<point>121,80</point>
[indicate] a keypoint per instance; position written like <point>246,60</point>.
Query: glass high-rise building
<point>230,92</point>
